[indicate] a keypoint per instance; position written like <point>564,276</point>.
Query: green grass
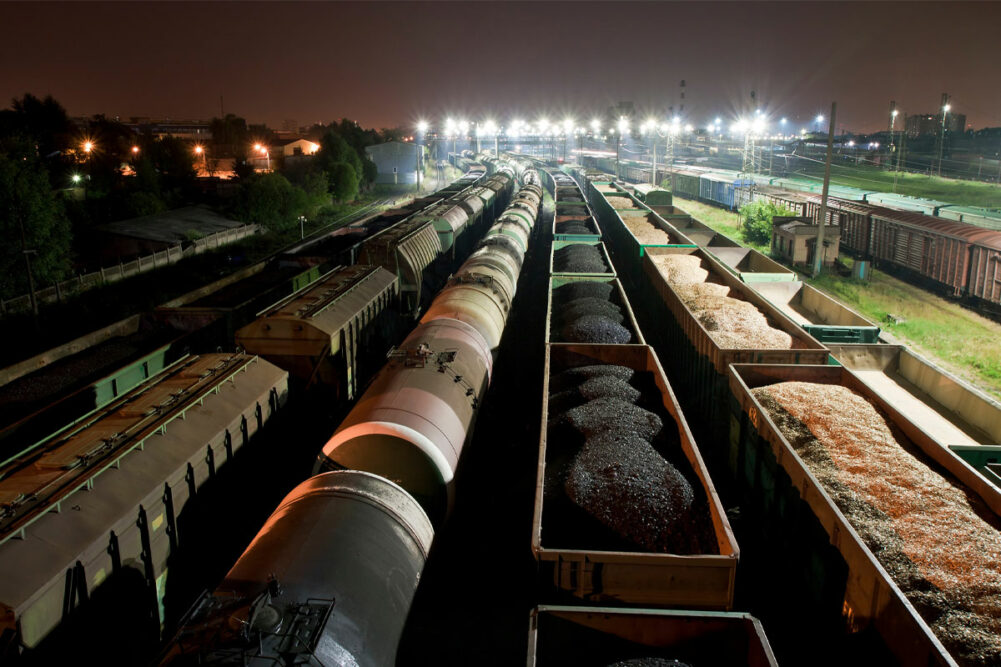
<point>723,221</point>
<point>964,342</point>
<point>956,338</point>
<point>964,193</point>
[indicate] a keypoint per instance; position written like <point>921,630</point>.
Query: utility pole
<point>941,142</point>
<point>900,153</point>
<point>818,260</point>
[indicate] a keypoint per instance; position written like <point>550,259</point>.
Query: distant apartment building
<point>920,125</point>
<point>190,130</point>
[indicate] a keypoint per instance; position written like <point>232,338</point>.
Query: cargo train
<point>167,405</point>
<point>313,583</point>
<point>954,255</point>
<point>794,527</point>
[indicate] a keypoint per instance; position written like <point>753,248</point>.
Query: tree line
<point>55,192</point>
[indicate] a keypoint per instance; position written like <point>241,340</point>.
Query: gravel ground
<point>942,548</point>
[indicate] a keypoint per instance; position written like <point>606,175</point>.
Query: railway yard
<point>539,414</point>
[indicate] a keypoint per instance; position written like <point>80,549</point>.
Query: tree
<point>271,200</point>
<point>174,161</point>
<point>241,165</point>
<point>44,122</point>
<point>756,221</point>
<point>32,207</point>
<point>334,149</point>
<point>343,181</point>
<point>371,171</point>
<point>229,134</point>
<point>317,190</point>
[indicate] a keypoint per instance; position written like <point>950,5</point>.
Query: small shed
<point>396,161</point>
<point>794,240</point>
<point>191,225</point>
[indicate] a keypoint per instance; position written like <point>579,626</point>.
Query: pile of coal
<point>587,319</point>
<point>617,476</point>
<point>575,226</point>
<point>579,258</point>
<point>650,662</point>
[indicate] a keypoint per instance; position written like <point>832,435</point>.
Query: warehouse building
<point>396,161</point>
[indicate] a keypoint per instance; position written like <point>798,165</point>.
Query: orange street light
<point>87,146</point>
<point>135,150</point>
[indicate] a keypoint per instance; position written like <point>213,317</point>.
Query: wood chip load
<point>613,460</point>
<point>620,202</point>
<point>592,318</point>
<point>646,232</point>
<point>731,322</point>
<point>942,549</point>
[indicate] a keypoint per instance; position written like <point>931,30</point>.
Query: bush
<point>343,181</point>
<point>271,200</point>
<point>139,204</point>
<point>756,221</point>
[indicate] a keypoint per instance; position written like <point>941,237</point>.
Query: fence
<point>122,270</point>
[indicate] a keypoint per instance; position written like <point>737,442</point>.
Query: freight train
<point>723,342</point>
<point>953,255</point>
<point>313,584</point>
<point>170,409</point>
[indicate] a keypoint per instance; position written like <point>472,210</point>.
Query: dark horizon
<point>391,64</point>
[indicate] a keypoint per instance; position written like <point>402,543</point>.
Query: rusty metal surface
<point>170,433</point>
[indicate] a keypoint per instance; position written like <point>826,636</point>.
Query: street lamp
<point>200,152</point>
<point>941,142</point>
<point>263,150</point>
<point>651,128</point>
<point>88,147</point>
<point>623,126</point>
<point>421,128</point>
<point>489,128</point>
<point>567,129</point>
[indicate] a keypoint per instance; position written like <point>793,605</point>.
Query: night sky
<point>388,64</point>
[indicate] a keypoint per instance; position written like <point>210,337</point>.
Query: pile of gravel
<point>587,319</point>
<point>579,258</point>
<point>616,475</point>
<point>942,549</point>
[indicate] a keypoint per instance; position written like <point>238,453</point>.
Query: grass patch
<point>966,344</point>
<point>962,341</point>
<point>723,221</point>
<point>964,193</point>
